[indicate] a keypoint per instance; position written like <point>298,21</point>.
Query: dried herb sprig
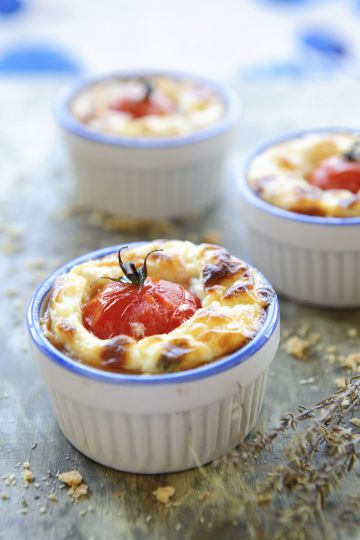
<point>288,501</point>
<point>315,461</point>
<point>327,412</point>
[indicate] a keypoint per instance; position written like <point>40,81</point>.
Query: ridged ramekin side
<point>322,278</point>
<point>149,193</point>
<point>160,443</point>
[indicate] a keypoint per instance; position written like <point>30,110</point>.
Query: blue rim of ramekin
<point>280,212</point>
<point>213,368</point>
<point>227,94</point>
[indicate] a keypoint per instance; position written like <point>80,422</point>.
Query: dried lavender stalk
<point>316,460</point>
<point>327,413</point>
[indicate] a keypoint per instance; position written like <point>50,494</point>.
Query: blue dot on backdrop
<point>324,42</point>
<point>290,3</point>
<point>35,58</point>
<point>10,7</point>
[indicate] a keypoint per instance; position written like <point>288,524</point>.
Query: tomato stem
<point>354,153</point>
<point>132,275</point>
<point>148,89</point>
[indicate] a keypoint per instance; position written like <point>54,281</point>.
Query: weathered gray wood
<point>35,186</point>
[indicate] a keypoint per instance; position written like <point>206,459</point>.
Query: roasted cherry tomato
<point>157,307</point>
<point>149,104</point>
<point>337,172</point>
<point>140,108</point>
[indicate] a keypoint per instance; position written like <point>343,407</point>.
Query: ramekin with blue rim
<point>149,177</point>
<point>154,423</point>
<point>314,259</point>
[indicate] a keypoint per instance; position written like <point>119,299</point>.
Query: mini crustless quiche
<point>148,145</point>
<point>147,106</point>
<point>316,174</point>
<point>156,308</point>
<point>156,356</point>
<point>300,196</point>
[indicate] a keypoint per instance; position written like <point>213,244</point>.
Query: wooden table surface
<point>37,233</point>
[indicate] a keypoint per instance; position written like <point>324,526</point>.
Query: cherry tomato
<point>337,172</point>
<point>143,107</point>
<point>157,307</point>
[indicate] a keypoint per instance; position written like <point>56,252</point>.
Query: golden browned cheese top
<point>195,107</point>
<point>279,176</point>
<point>234,298</point>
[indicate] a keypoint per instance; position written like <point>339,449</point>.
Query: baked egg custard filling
<point>156,308</point>
<point>155,106</point>
<point>313,174</point>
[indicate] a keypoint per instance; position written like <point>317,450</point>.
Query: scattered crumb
<point>68,212</point>
<point>340,382</point>
<point>26,465</point>
<point>303,329</point>
<point>285,333</point>
<point>163,494</point>
<point>52,496</point>
<point>10,480</point>
<point>78,488</point>
<point>178,527</point>
<point>355,422</point>
<point>297,347</point>
<point>28,476</point>
<point>16,233</point>
<point>148,518</point>
<point>5,496</point>
<point>129,225</point>
<point>42,509</point>
<point>352,361</point>
<point>37,263</point>
<point>82,513</point>
<point>310,380</point>
<point>9,247</point>
<point>314,338</point>
<point>352,332</point>
<point>11,291</point>
<point>70,478</point>
<point>78,491</point>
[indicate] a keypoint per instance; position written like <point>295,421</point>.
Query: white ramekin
<point>154,423</point>
<point>315,260</point>
<point>149,178</point>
